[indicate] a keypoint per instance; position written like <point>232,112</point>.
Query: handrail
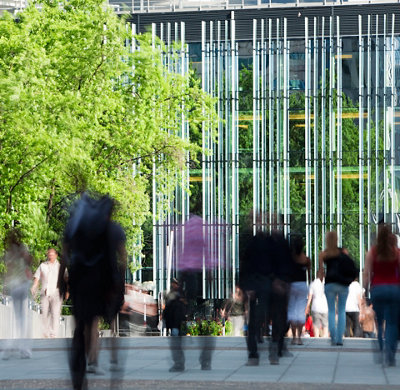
<point>155,6</point>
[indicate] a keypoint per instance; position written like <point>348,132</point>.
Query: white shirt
<point>319,302</point>
<point>355,293</point>
<point>47,273</point>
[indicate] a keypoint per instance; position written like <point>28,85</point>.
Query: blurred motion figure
<point>194,256</point>
<point>298,288</point>
<point>94,252</point>
<point>16,284</point>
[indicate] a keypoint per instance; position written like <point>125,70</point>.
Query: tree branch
<point>20,180</point>
<point>50,202</point>
<point>153,153</point>
<point>113,149</point>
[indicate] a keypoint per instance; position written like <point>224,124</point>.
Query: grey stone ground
<point>146,360</point>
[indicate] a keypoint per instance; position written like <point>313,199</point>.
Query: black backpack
<point>342,270</point>
<point>87,230</point>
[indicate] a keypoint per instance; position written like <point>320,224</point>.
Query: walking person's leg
<point>252,330</point>
<point>78,356</point>
<point>342,298</point>
<point>92,346</point>
<point>178,356</point>
<point>391,316</point>
<point>357,325</point>
<point>55,312</point>
<point>207,346</point>
<point>378,304</point>
<point>45,303</point>
<point>349,324</point>
<point>20,300</point>
<point>331,299</point>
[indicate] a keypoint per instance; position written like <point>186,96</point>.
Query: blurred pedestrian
<point>16,284</point>
<point>353,307</point>
<point>282,264</point>
<point>298,289</point>
<point>367,319</point>
<point>95,254</point>
<point>194,258</point>
<point>382,273</point>
<point>234,311</point>
<point>50,299</point>
<point>255,280</point>
<point>340,272</point>
<point>174,316</point>
<point>317,305</point>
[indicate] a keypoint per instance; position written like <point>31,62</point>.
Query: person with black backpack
<point>340,272</point>
<point>94,253</point>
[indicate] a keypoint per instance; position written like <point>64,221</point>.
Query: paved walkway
<point>146,361</point>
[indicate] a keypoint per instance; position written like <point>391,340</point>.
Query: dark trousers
<point>279,305</point>
<point>258,308</point>
<point>78,356</point>
<point>353,327</point>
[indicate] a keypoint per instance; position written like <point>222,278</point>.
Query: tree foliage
<point>81,110</point>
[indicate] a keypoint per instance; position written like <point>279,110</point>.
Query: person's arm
<point>34,286</point>
<point>321,258</point>
<point>62,282</point>
<point>122,257</point>
<point>308,306</point>
<point>359,302</point>
<point>367,270</point>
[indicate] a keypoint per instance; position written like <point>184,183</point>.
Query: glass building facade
<point>308,132</point>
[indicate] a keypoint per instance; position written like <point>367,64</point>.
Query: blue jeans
<point>386,301</point>
<point>333,290</point>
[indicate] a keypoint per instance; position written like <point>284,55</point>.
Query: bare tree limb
<point>20,180</point>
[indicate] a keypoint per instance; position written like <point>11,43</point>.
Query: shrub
<point>204,328</point>
<point>228,328</point>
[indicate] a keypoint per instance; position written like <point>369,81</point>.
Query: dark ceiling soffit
<point>295,19</point>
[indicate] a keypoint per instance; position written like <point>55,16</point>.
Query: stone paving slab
<point>146,362</point>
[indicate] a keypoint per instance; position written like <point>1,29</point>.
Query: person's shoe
<point>390,359</point>
<point>94,369</point>
<point>253,361</point>
<point>115,367</point>
<point>206,366</point>
<point>26,354</point>
<point>391,363</point>
<point>177,368</point>
<point>339,343</point>
<point>274,360</point>
<point>273,354</point>
<point>7,354</point>
<point>285,353</point>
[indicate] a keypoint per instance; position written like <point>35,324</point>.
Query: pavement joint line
<point>385,374</point>
<point>152,367</point>
<point>232,373</point>
<point>287,368</point>
<point>336,367</point>
<point>178,385</point>
<point>190,348</point>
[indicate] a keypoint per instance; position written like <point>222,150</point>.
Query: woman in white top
<point>318,306</point>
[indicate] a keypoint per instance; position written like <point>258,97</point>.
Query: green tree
<point>81,110</point>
